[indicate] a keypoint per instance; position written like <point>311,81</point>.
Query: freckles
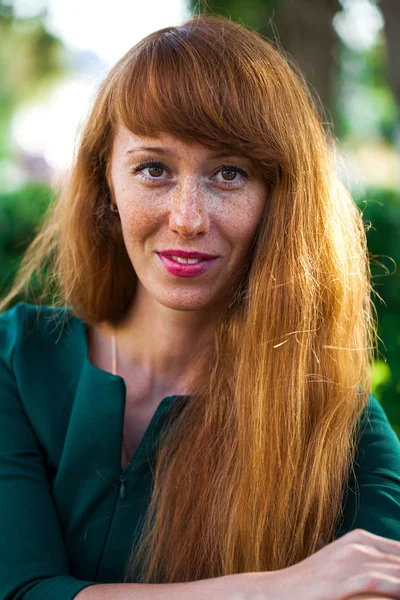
<point>140,213</point>
<point>143,219</point>
<point>243,217</point>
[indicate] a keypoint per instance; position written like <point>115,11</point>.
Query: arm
<point>210,589</point>
<point>219,588</point>
<point>33,559</point>
<point>373,499</point>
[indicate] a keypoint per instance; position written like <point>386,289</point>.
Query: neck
<point>162,347</point>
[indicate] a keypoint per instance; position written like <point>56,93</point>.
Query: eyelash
<point>137,170</point>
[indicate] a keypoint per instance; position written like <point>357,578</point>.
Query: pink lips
<point>184,269</point>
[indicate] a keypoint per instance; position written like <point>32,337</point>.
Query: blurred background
<point>53,54</point>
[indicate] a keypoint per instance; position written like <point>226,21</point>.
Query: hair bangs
<point>182,84</point>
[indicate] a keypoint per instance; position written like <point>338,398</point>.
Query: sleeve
<point>373,497</point>
<point>33,559</point>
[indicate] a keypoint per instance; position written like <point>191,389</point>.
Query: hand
<point>369,597</point>
<point>357,565</point>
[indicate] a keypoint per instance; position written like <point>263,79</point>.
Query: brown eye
<point>228,174</point>
<point>155,171</point>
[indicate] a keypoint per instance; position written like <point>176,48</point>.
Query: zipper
<point>123,472</point>
<point>122,485</point>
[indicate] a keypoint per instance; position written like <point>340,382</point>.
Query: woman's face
<point>177,199</point>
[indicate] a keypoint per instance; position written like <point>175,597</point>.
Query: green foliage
<point>366,107</point>
<point>381,212</point>
<point>31,60</point>
<point>255,14</point>
<point>21,213</point>
<point>30,57</point>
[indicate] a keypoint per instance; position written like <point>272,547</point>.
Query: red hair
<point>267,440</point>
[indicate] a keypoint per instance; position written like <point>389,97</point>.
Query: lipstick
<point>186,264</point>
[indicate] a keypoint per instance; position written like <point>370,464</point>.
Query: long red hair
<point>250,476</point>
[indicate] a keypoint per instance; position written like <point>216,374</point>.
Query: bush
<point>21,212</point>
<point>381,210</point>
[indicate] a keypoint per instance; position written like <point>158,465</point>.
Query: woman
<point>189,415</point>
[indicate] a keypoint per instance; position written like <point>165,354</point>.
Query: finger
<point>372,582</point>
<point>374,555</point>
<point>369,597</point>
<point>393,568</point>
<point>385,545</point>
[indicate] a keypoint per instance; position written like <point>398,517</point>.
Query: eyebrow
<point>148,149</point>
<point>167,152</point>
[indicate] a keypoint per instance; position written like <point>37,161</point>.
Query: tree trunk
<point>391,13</point>
<point>305,31</point>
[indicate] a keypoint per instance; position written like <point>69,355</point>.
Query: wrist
<point>242,586</point>
<point>227,587</point>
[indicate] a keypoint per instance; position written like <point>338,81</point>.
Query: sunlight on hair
<point>264,450</point>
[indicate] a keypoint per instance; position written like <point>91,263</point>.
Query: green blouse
<point>69,516</point>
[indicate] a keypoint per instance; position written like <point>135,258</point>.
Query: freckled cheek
<point>138,216</point>
<point>241,227</point>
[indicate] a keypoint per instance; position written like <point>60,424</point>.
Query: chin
<point>184,306</point>
<point>185,302</point>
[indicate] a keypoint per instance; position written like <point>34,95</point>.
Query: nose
<point>189,215</point>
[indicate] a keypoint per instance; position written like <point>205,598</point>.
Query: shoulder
<point>29,330</point>
<point>23,313</point>
<point>23,319</point>
<point>378,447</point>
<point>372,497</point>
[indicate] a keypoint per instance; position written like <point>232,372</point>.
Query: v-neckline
<point>118,381</point>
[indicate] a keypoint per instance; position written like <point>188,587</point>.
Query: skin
<point>190,205</point>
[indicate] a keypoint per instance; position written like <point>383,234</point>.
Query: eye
<point>231,174</point>
<point>155,170</point>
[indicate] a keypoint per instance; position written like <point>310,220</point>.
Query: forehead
<point>126,141</point>
<point>127,144</point>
